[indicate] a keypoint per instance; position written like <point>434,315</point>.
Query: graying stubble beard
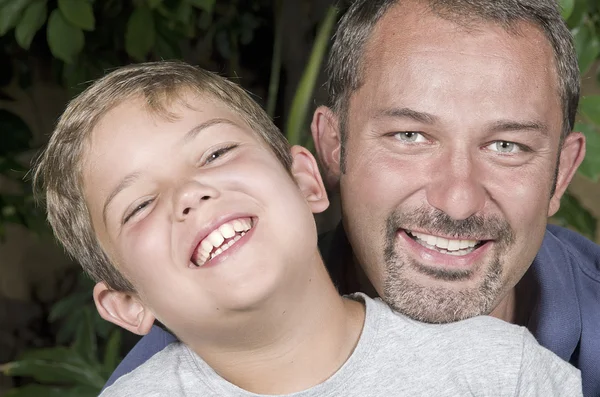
<point>439,304</point>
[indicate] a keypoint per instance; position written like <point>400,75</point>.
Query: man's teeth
<point>214,244</point>
<point>450,245</point>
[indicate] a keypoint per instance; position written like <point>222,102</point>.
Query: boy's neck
<point>300,340</point>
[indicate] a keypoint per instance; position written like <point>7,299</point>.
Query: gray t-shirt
<point>395,356</point>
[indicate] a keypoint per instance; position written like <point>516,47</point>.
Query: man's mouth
<point>220,240</point>
<point>444,245</point>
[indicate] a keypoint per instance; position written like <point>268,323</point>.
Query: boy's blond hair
<point>57,176</point>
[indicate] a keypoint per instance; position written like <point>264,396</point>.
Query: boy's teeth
<point>227,230</point>
<point>237,226</point>
<point>206,245</point>
<point>451,245</point>
<point>215,240</point>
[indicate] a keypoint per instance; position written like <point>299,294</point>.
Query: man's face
<point>451,151</point>
<point>197,213</point>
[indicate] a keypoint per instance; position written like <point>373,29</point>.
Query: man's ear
<point>306,173</point>
<point>328,144</point>
<point>123,309</point>
<point>571,156</point>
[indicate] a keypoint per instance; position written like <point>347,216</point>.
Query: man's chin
<point>442,298</point>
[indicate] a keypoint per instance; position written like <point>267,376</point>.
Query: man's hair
<point>346,69</point>
<point>57,176</point>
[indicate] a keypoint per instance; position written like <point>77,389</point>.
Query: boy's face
<point>197,213</point>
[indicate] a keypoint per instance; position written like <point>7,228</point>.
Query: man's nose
<point>189,196</point>
<point>456,187</point>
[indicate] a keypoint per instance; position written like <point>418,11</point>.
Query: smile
<point>455,247</point>
<point>220,240</point>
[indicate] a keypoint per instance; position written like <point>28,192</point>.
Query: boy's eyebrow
<point>125,182</point>
<point>191,134</point>
<point>187,138</point>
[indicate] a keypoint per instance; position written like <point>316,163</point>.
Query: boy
<point>178,195</point>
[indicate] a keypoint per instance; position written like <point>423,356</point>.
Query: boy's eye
<point>218,153</point>
<point>137,209</point>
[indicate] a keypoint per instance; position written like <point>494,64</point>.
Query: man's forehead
<point>416,23</point>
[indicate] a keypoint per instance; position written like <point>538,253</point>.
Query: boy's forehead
<point>132,117</point>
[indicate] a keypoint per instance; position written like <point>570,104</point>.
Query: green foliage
<point>33,19</point>
<point>296,125</point>
<point>78,13</point>
<point>65,40</point>
<point>140,34</point>
<point>583,18</point>
<point>88,351</point>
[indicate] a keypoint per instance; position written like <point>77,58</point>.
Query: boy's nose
<point>189,196</point>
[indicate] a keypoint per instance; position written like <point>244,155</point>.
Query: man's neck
<point>299,340</point>
<point>516,307</point>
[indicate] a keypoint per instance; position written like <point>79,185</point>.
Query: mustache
<point>435,221</point>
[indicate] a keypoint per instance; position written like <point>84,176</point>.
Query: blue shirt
<point>565,318</point>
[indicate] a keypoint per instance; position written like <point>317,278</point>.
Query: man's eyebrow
<point>193,133</point>
<point>421,117</point>
<point>125,183</point>
<point>510,125</point>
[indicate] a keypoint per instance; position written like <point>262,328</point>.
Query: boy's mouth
<point>220,240</point>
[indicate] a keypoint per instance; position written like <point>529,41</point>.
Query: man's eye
<point>504,147</point>
<point>218,153</point>
<point>410,136</point>
<point>137,209</point>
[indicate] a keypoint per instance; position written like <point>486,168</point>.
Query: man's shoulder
<point>581,251</point>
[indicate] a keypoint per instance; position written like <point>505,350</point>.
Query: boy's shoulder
<point>160,374</point>
<point>480,354</point>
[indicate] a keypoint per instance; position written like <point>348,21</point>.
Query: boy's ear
<point>306,173</point>
<point>123,309</point>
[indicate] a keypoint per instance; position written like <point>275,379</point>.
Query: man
<point>448,133</point>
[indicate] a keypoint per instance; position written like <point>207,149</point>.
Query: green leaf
<point>82,391</point>
<point>567,7</point>
<point>78,13</point>
<point>59,354</point>
<point>34,390</point>
<point>206,5</point>
<point>111,352</point>
<point>140,33</point>
<point>296,122</point>
<point>589,106</point>
<point>85,341</point>
<point>65,40</point>
<point>32,21</point>
<point>578,13</point>
<point>153,3</point>
<point>10,14</point>
<point>590,167</point>
<point>587,45</point>
<point>69,305</point>
<point>54,372</point>
<point>14,133</point>
<point>573,214</point>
